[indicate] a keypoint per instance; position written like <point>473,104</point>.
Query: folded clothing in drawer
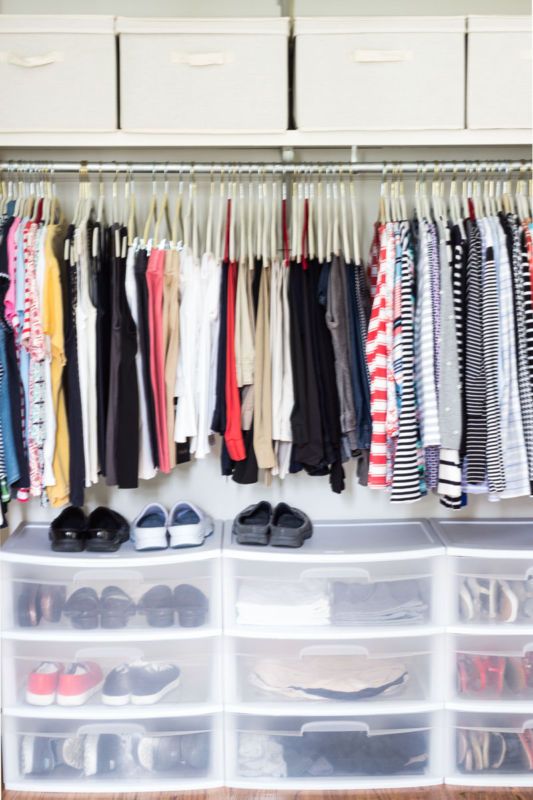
<point>275,603</point>
<point>336,754</point>
<point>393,602</point>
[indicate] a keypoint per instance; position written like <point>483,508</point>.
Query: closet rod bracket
<point>353,154</point>
<point>287,155</point>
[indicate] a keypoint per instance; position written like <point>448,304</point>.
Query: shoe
<point>41,685</point>
<point>105,753</point>
<point>68,532</point>
<point>290,527</point>
<point>116,607</point>
<point>151,682</point>
<point>159,753</point>
<point>191,604</point>
<point>150,528</point>
<point>195,750</point>
<point>252,526</point>
<point>40,755</point>
<point>158,605</point>
<point>52,602</point>
<point>117,686</point>
<point>29,606</point>
<point>509,603</point>
<point>78,682</point>
<point>83,608</point>
<point>107,530</point>
<point>188,525</point>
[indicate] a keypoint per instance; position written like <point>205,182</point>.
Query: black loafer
<point>290,527</point>
<point>107,530</point>
<point>83,608</point>
<point>116,607</point>
<point>158,605</point>
<point>191,604</point>
<point>252,525</point>
<point>68,532</point>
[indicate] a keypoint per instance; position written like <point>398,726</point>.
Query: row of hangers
<point>318,207</point>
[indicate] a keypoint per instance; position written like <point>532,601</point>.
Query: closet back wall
<point>201,481</point>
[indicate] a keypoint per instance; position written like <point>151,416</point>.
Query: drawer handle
<point>111,727</point>
<point>357,573</point>
<point>202,59</point>
<point>334,650</point>
<point>381,56</point>
<point>330,726</point>
<point>129,654</point>
<point>32,61</point>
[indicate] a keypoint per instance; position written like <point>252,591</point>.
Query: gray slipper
<point>252,525</point>
<point>290,527</point>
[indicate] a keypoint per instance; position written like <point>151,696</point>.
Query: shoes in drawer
<point>57,752</point>
<point>496,745</point>
<point>349,575</point>
<point>370,671</point>
<point>494,668</point>
<point>325,750</point>
<point>144,677</point>
<point>492,564</point>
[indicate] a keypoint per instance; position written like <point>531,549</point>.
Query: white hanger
<point>210,211</point>
<point>250,231</point>
<point>320,218</point>
<point>222,208</point>
<point>115,210</point>
<point>273,221</point>
<point>384,201</point>
<point>355,234</point>
<point>329,217</point>
<point>177,232</point>
<point>266,211</point>
<point>295,250</point>
<point>259,216</point>
<point>130,202</point>
<point>311,217</point>
<point>152,212</point>
<point>100,210</point>
<point>233,188</point>
<point>164,214</point>
<point>242,221</point>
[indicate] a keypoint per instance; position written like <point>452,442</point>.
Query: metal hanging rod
<point>205,168</point>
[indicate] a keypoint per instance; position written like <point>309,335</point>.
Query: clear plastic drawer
<point>353,575</point>
<point>493,668</point>
<point>325,752</point>
<point>321,673</point>
<point>46,592</point>
<point>60,755</point>
<point>148,678</point>
<point>492,749</point>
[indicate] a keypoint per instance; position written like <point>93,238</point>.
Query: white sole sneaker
<point>149,699</point>
<point>78,699</point>
<point>40,699</point>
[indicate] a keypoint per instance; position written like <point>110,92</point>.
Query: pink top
<point>9,301</point>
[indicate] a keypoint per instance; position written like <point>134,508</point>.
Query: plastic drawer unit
<point>204,75</point>
<point>489,749</point>
<point>57,755</point>
<point>135,731</point>
<point>499,66</point>
<point>333,753</point>
<point>59,73</point>
<point>345,67</point>
<point>490,574</point>
<point>39,589</point>
<point>274,676</point>
<point>367,578</point>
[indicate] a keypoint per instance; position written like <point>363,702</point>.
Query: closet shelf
<point>329,632</point>
<point>318,708</point>
<point>310,139</point>
<point>105,636</point>
<point>105,713</point>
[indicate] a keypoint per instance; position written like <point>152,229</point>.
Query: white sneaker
<point>188,525</point>
<point>149,529</point>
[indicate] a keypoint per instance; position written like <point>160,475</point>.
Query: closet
<point>246,144</point>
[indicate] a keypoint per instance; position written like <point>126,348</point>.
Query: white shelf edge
<point>491,781</point>
<point>114,787</point>
<point>105,636</point>
<point>107,713</point>
<point>503,629</point>
<point>523,706</point>
<point>328,632</point>
<point>331,709</point>
<point>293,138</point>
<point>332,558</point>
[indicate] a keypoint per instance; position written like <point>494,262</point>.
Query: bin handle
<point>128,654</point>
<point>110,727</point>
<point>334,650</point>
<point>215,59</point>
<point>381,56</point>
<point>332,725</point>
<point>363,575</point>
<point>32,61</point>
<point>90,575</point>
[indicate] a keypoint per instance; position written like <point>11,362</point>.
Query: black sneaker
<point>106,753</point>
<point>151,682</point>
<point>117,686</point>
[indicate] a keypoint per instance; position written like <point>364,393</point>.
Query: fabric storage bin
<point>499,87</point>
<point>364,576</point>
<point>379,73</point>
<point>88,756</point>
<point>490,749</point>
<point>58,73</point>
<point>270,673</point>
<point>490,564</point>
<point>38,585</point>
<point>492,669</point>
<point>332,752</point>
<point>198,682</point>
<point>203,74</point>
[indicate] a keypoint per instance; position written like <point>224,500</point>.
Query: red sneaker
<point>42,683</point>
<point>78,683</point>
